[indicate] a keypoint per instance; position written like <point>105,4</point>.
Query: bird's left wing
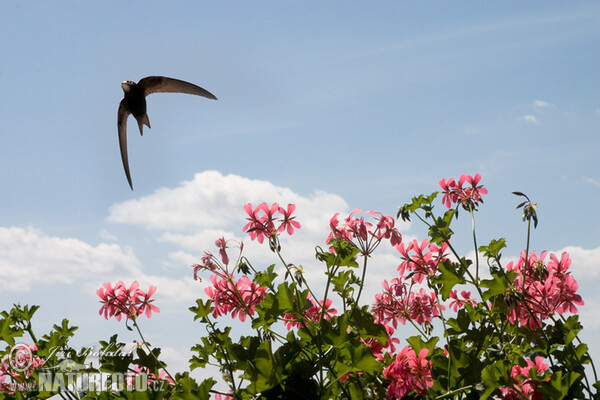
<point>161,84</point>
<point>122,115</point>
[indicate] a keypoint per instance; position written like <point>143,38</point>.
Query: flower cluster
<point>262,221</point>
<point>468,196</point>
<point>131,302</point>
<point>523,386</point>
<point>420,261</point>
<point>240,298</point>
<point>365,235</point>
<point>457,303</point>
<point>312,313</point>
<point>408,373</point>
<point>548,287</point>
<point>17,365</point>
<point>397,303</point>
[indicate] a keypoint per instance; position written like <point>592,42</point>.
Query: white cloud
<point>107,236</point>
<point>591,181</point>
<point>28,256</point>
<point>531,119</point>
<point>212,200</point>
<point>539,104</point>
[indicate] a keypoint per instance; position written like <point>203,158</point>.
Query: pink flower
<point>549,288</point>
<point>217,265</point>
<point>408,373</point>
<point>360,233</point>
<point>312,313</point>
<point>459,303</point>
<point>420,260</point>
<point>397,304</point>
<point>240,298</point>
<point>377,348</point>
<point>523,386</point>
<point>261,226</point>
<point>288,222</point>
<point>120,300</point>
<point>464,195</point>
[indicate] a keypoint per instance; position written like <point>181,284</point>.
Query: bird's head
<point>127,86</point>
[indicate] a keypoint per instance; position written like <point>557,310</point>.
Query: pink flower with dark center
<point>377,348</point>
<point>360,233</point>
<point>312,313</point>
<point>261,226</point>
<point>240,298</point>
<point>120,300</point>
<point>408,373</point>
<point>457,303</point>
<point>459,193</point>
<point>420,260</point>
<point>523,386</point>
<point>288,224</point>
<point>549,288</point>
<point>397,304</point>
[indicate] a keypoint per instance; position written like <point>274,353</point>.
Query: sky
<point>327,105</point>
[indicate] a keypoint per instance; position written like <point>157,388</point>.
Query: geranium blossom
<point>240,298</point>
<point>523,386</point>
<point>312,313</point>
<point>397,303</point>
<point>422,260</point>
<point>121,300</point>
<point>548,287</point>
<point>262,221</point>
<point>354,229</point>
<point>377,348</point>
<point>457,302</point>
<point>408,373</point>
<point>456,193</point>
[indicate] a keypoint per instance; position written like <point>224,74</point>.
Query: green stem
<point>163,366</point>
<point>227,359</point>
<point>362,282</point>
<point>475,244</point>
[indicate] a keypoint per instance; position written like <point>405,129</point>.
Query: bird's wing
<point>122,115</point>
<point>161,84</point>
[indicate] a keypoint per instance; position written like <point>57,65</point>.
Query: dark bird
<point>134,102</point>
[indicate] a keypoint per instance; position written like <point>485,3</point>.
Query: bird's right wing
<point>162,84</point>
<point>122,115</point>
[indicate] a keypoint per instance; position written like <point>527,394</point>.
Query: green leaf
<point>496,286</point>
<point>202,309</point>
<point>448,277</point>
<point>266,278</point>
<point>492,250</point>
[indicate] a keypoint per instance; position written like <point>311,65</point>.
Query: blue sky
<point>331,106</point>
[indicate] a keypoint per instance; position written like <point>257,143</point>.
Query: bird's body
<point>134,102</point>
